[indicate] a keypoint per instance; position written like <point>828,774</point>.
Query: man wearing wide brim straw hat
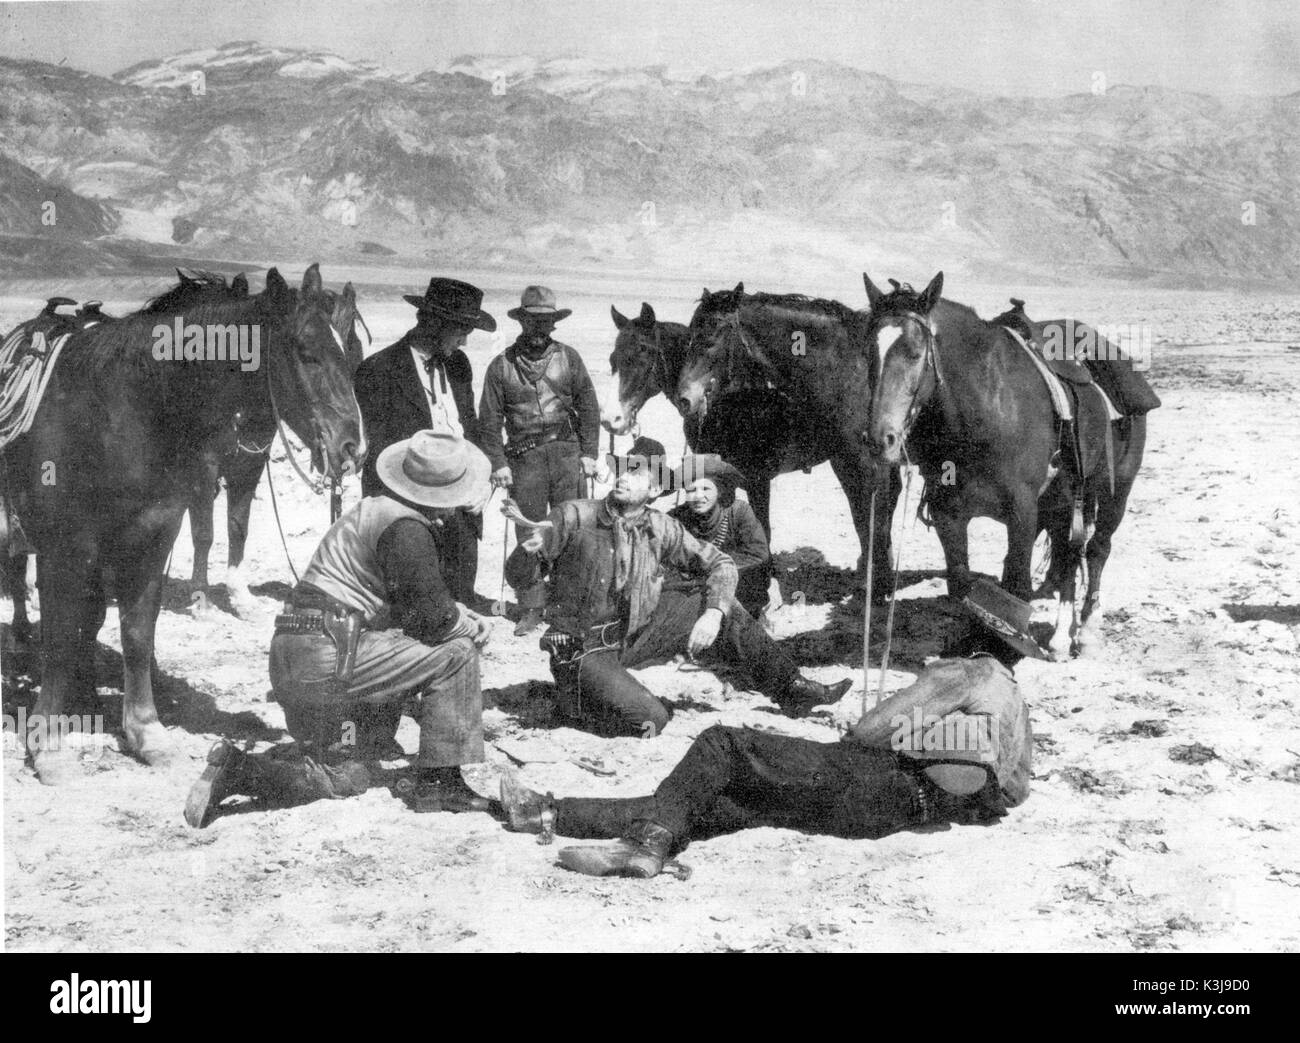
<point>955,746</point>
<point>712,514</point>
<point>425,382</point>
<point>538,390</point>
<point>370,623</point>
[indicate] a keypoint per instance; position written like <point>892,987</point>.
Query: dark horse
<point>242,458</point>
<point>749,428</point>
<point>806,357</point>
<point>961,398</point>
<point>117,452</point>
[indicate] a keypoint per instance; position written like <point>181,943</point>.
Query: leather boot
<point>447,793</point>
<point>804,693</point>
<point>526,810</point>
<point>221,778</point>
<point>528,622</point>
<point>640,854</point>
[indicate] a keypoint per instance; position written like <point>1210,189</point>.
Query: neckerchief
<point>635,565</point>
<point>532,369</point>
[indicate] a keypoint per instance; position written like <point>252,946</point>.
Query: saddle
<point>1064,379</point>
<point>27,359</point>
<point>1018,322</point>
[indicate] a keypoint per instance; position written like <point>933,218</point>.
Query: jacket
<point>394,404</point>
<point>579,547</point>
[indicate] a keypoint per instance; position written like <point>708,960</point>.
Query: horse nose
<point>353,454</point>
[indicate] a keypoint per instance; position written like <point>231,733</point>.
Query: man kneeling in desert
<point>955,746</point>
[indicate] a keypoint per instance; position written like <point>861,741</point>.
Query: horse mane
<point>129,340</point>
<point>725,301</point>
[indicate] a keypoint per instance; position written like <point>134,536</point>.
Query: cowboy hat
<point>644,453</point>
<point>539,301</point>
<point>435,469</point>
<point>695,466</point>
<point>1003,615</point>
<point>455,300</point>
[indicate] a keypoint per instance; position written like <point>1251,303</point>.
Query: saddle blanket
<point>1056,388</point>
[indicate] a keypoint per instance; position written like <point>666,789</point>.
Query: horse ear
<point>740,288</point>
<point>647,316</point>
<point>239,284</point>
<point>932,293</point>
<point>349,295</point>
<point>311,284</point>
<point>620,320</point>
<point>277,290</point>
<point>874,293</point>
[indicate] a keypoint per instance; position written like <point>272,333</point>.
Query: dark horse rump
<point>115,455</point>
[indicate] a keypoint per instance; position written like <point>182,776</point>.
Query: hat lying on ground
<point>435,469</point>
<point>455,300</point>
<point>1004,615</point>
<point>539,301</point>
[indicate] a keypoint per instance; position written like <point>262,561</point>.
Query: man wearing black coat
<point>424,382</point>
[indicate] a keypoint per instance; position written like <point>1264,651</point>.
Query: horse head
<point>638,365</point>
<point>903,335</point>
<point>309,378</point>
<point>721,356</point>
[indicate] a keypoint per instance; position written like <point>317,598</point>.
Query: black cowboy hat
<point>644,453</point>
<point>1003,615</point>
<point>455,300</point>
<point>711,466</point>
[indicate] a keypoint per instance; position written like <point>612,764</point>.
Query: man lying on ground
<point>955,746</point>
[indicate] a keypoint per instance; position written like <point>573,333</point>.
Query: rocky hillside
<point>247,151</point>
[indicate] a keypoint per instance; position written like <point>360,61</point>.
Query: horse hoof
<point>1090,643</point>
<point>56,767</point>
<point>151,744</point>
<point>243,604</point>
<point>1058,653</point>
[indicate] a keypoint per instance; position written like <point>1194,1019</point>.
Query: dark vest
<point>544,408</point>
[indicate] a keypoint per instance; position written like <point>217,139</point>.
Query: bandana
<point>635,567</point>
<point>533,369</point>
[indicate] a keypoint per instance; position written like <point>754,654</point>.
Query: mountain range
<point>247,151</point>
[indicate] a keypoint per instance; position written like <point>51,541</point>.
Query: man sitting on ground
<point>609,609</point>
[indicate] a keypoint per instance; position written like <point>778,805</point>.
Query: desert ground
<point>1164,812</point>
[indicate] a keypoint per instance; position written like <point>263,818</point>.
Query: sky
<point>1016,47</point>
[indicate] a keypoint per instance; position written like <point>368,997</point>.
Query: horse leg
<point>83,694</point>
<point>1110,512</point>
<point>139,597</point>
<point>1022,529</point>
<point>16,583</point>
<point>241,485</point>
<point>201,508</point>
<point>951,530</point>
<point>1060,581</point>
<point>69,608</point>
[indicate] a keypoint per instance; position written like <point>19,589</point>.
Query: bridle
<point>732,322</point>
<point>930,360</point>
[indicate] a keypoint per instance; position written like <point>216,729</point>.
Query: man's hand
<point>502,478</point>
<point>481,629</point>
<point>534,542</point>
<point>705,632</point>
<point>590,468</point>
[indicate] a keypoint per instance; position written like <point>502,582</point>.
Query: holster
<point>344,629</point>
